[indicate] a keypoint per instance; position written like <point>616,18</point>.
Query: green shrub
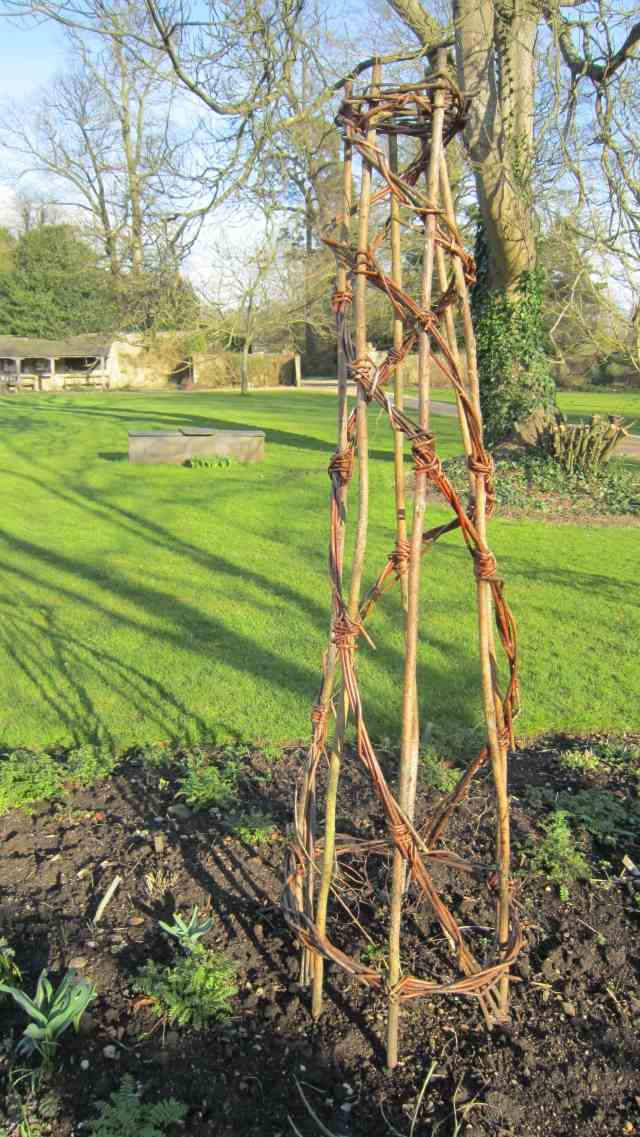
<point>156,755</point>
<point>608,819</point>
<point>202,462</point>
<point>87,765</point>
<point>619,753</point>
<point>436,773</point>
<point>525,482</point>
<point>556,854</point>
<point>583,760</point>
<point>28,777</point>
<point>205,783</point>
<point>124,1115</point>
<point>195,991</point>
<point>253,828</point>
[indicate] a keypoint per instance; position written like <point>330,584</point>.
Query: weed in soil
<point>207,784</point>
<point>252,828</point>
<point>125,1115</point>
<point>556,854</point>
<point>436,773</point>
<point>195,991</point>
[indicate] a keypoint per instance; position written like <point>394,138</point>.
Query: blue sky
<point>29,56</point>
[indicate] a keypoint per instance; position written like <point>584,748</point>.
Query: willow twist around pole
<point>431,113</point>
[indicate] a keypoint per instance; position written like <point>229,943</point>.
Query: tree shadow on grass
<point>135,418</point>
<point>26,634</point>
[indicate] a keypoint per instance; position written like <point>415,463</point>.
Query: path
<point>629,448</point>
<point>328,386</point>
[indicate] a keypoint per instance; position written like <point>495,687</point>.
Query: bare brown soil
<point>566,1065</point>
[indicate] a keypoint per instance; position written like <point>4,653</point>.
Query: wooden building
<point>46,365</point>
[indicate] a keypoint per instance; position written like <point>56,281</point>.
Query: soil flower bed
<point>567,1064</point>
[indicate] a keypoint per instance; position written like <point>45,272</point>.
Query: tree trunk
<point>131,148</point>
<point>244,368</point>
<point>495,61</point>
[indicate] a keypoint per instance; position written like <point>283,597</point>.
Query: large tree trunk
<point>495,60</point>
<point>495,64</point>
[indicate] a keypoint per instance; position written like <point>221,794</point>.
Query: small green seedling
<point>582,760</point>
<point>52,1011</point>
<point>195,991</point>
<point>8,967</point>
<point>556,854</point>
<point>124,1115</point>
<point>187,934</point>
<point>253,828</point>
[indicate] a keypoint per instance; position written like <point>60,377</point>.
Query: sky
<point>29,56</point>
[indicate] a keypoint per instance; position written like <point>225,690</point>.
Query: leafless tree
<point>101,137</point>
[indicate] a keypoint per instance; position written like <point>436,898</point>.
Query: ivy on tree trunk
<point>514,372</point>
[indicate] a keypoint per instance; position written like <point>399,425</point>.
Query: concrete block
<point>239,445</point>
<point>156,447</point>
<point>176,446</point>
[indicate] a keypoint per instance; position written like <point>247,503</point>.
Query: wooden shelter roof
<point>76,347</point>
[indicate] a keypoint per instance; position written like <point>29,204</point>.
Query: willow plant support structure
<point>373,122</point>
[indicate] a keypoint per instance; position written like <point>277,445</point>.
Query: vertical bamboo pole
<point>398,393</point>
<point>409,752</point>
<point>491,701</point>
<point>450,327</point>
<point>336,750</point>
<point>360,327</point>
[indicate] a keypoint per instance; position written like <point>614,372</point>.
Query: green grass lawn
<point>143,603</point>
<point>580,404</point>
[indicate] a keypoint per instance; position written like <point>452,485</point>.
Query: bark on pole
<point>410,723</point>
<point>491,699</point>
<point>398,394</point>
<point>360,328</point>
<point>331,661</point>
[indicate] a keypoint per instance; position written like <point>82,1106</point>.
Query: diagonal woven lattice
<point>410,112</point>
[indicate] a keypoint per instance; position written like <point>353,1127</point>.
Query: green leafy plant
<point>533,482</point>
<point>556,854</point>
<point>609,819</point>
<point>195,991</point>
<point>87,765</point>
<point>201,462</point>
<point>32,1104</point>
<point>436,773</point>
<point>156,755</point>
<point>206,784</point>
<point>124,1115</point>
<point>374,955</point>
<point>619,753</point>
<point>52,1012</point>
<point>187,934</point>
<point>583,760</point>
<point>8,967</point>
<point>515,374</point>
<point>253,828</point>
<point>28,777</point>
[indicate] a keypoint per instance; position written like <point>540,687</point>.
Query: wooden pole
<point>410,727</point>
<point>335,758</point>
<point>360,327</point>
<point>491,700</point>
<point>398,394</point>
